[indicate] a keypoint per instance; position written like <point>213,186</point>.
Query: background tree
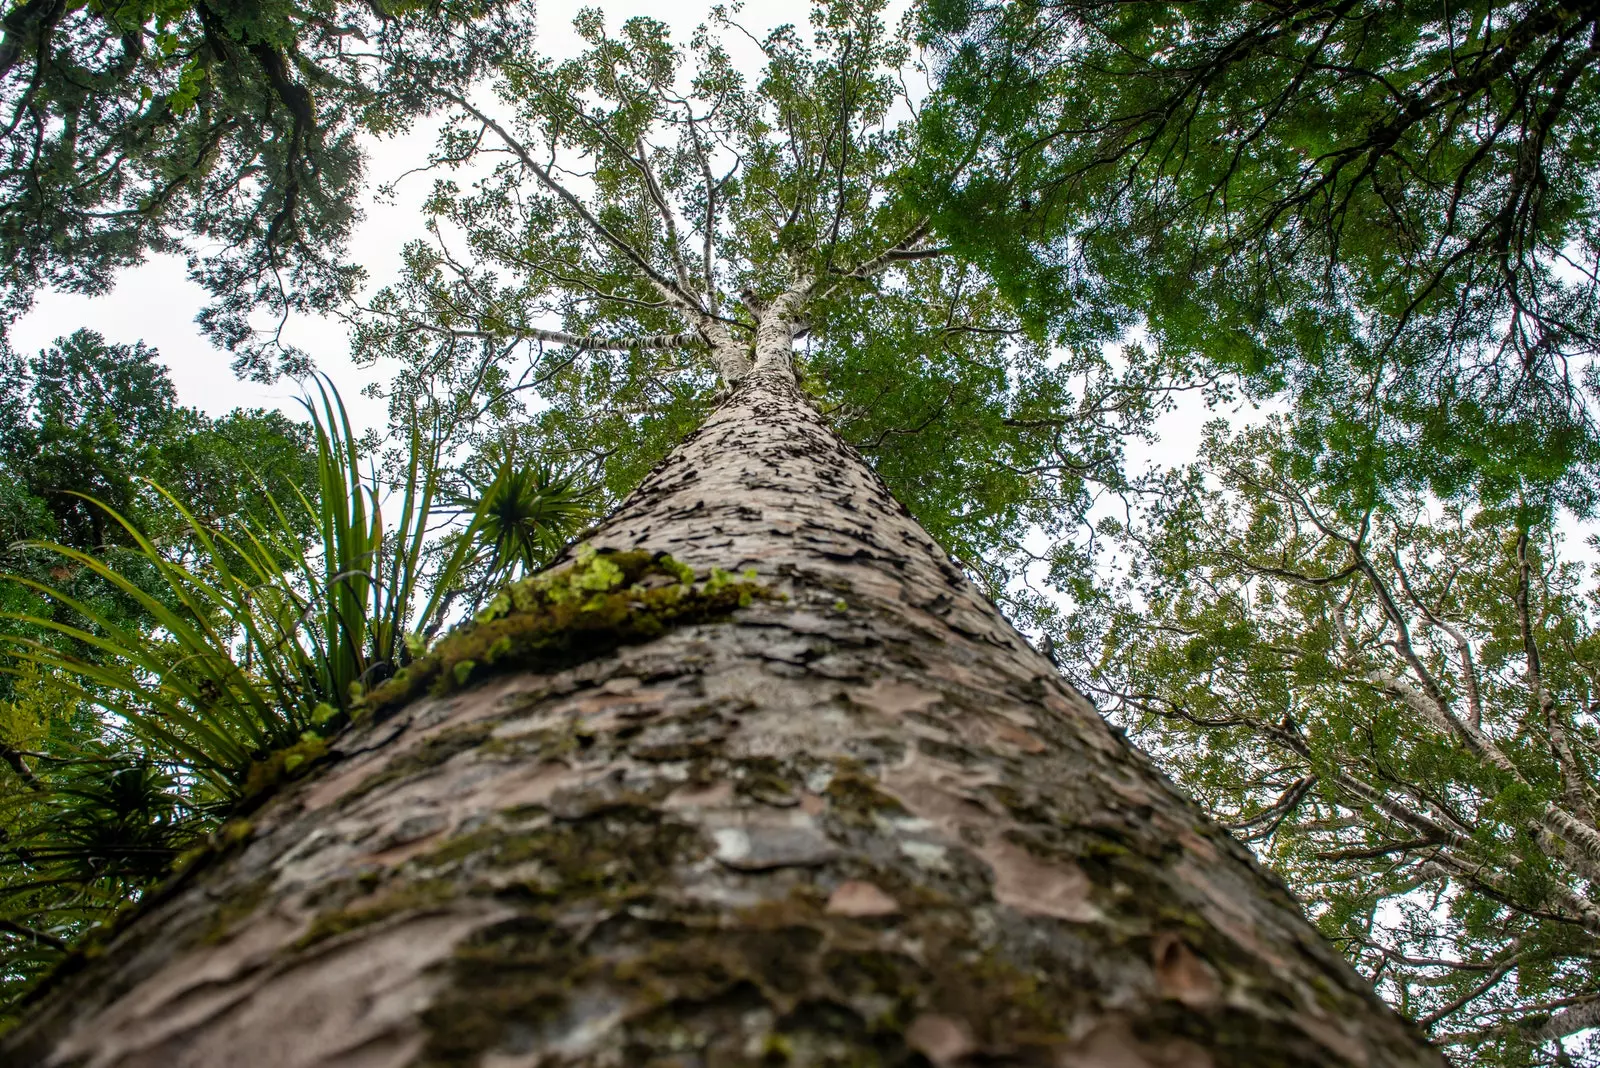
<point>1388,208</point>
<point>88,419</point>
<point>225,131</point>
<point>1395,704</point>
<point>88,817</point>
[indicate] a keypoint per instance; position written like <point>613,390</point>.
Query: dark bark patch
<point>412,898</point>
<point>607,853</point>
<point>855,800</point>
<point>430,753</point>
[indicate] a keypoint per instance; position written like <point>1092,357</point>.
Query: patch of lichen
<point>767,781</point>
<point>235,908</point>
<point>602,601</point>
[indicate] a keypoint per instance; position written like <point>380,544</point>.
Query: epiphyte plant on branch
<point>686,225</point>
<point>523,511</point>
<point>132,734</point>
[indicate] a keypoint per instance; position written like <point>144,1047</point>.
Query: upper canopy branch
<point>669,287</point>
<point>906,250</point>
<point>687,339</point>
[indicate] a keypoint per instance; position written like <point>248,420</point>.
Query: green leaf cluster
<point>210,664</point>
<point>1394,702</point>
<point>226,131</point>
<point>1386,211</point>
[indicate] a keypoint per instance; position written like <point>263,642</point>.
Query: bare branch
<point>688,339</point>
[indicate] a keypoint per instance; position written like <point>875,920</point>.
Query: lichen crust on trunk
<point>861,823</point>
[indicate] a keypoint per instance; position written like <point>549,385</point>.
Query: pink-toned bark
<point>867,823</point>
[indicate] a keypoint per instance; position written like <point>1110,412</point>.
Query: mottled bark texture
<point>865,824</point>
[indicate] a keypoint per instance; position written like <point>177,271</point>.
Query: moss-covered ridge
<point>605,599</point>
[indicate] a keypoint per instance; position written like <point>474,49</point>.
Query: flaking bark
<point>865,824</point>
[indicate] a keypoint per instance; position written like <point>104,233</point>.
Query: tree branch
<point>1566,761</point>
<point>668,287</point>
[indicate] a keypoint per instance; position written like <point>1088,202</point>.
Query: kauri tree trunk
<point>861,822</point>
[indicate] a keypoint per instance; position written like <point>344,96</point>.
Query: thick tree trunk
<point>864,824</point>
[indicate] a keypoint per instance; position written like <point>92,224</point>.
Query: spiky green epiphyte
<point>255,638</point>
<point>524,512</point>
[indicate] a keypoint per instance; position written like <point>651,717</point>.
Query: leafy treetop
<point>1390,208</point>
<point>649,225</point>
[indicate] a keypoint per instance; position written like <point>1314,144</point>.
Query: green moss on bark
<point>602,601</point>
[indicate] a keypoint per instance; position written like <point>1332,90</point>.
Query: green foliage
<point>91,419</point>
<point>1388,209</point>
<point>719,200</point>
<point>524,512</point>
<point>85,826</point>
<point>244,649</point>
<point>226,131</point>
<point>198,678</point>
<point>1394,702</point>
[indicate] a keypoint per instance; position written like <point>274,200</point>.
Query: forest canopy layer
<point>993,245</point>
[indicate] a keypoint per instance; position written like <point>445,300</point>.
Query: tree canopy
<point>224,131</point>
<point>674,214</point>
<point>1395,704</point>
<point>1389,208</point>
